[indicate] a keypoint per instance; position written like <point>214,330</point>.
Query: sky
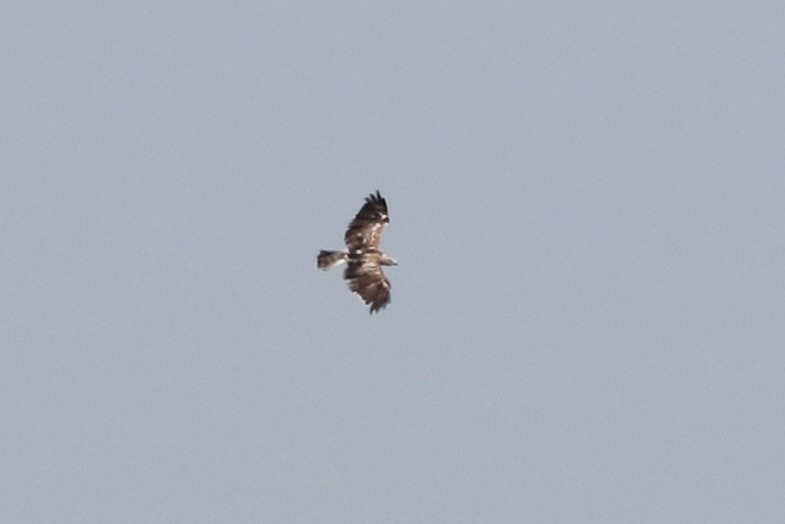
<point>587,204</point>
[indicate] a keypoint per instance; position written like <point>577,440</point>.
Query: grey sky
<point>588,209</point>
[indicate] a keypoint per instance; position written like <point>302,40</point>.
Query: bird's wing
<point>366,278</point>
<point>365,231</point>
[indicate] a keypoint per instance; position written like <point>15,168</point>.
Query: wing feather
<point>365,231</point>
<point>366,278</point>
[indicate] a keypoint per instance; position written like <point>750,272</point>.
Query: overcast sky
<point>587,203</point>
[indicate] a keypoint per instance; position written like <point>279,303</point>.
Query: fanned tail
<point>329,259</point>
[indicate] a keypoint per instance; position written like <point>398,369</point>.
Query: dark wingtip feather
<point>377,309</point>
<point>380,302</point>
<point>375,198</point>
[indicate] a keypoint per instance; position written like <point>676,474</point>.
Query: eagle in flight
<point>364,258</point>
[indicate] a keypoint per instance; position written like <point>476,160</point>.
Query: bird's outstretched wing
<point>365,277</point>
<point>365,231</point>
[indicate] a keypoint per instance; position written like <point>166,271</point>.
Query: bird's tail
<point>330,259</point>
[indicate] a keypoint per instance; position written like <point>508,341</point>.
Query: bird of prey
<point>364,258</point>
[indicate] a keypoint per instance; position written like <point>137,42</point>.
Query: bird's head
<point>388,261</point>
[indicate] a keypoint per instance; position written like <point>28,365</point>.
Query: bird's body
<point>364,257</point>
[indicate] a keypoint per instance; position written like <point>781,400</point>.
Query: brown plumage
<point>365,231</point>
<point>364,258</point>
